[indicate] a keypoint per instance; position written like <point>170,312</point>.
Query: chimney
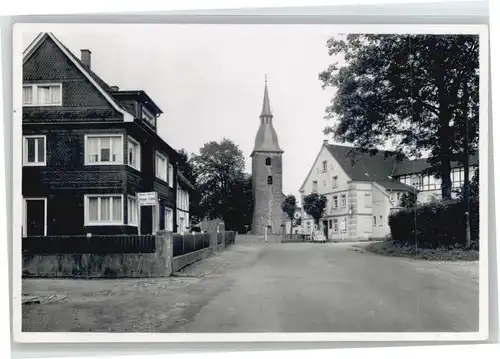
<point>85,57</point>
<point>325,141</point>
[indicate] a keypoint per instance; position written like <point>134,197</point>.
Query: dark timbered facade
<point>88,149</point>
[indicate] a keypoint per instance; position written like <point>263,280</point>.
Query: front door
<point>146,213</point>
<point>35,220</point>
<point>325,229</point>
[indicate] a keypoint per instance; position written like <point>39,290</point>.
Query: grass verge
<point>389,248</point>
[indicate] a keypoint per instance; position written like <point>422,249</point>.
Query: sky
<point>209,81</point>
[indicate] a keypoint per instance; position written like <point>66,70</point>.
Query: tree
<point>473,189</point>
<point>421,92</point>
<point>314,205</point>
<point>409,200</point>
<point>289,206</point>
<point>240,204</point>
<point>218,169</point>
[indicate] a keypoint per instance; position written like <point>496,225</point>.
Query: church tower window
<point>268,161</point>
<point>269,179</point>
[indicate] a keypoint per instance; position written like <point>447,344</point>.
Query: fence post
<point>164,251</point>
<point>213,241</point>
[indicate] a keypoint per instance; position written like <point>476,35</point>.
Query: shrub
<point>434,225</point>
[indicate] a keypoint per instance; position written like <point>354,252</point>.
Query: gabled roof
<point>363,166</point>
<point>99,84</point>
<point>394,185</point>
<point>416,166</point>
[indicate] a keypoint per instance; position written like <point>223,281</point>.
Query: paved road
<point>308,287</point>
<point>295,287</point>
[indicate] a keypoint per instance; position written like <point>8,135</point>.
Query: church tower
<point>267,176</point>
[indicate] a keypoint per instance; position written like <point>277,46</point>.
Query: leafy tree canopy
<point>314,205</point>
<point>414,91</point>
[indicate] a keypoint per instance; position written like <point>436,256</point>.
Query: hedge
<point>435,225</point>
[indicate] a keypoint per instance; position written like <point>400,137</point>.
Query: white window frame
<point>170,170</point>
<point>25,151</point>
<point>34,95</point>
<point>325,166</point>
<point>136,210</point>
<point>87,221</point>
<point>334,181</point>
<point>335,225</point>
<point>25,214</point>
<point>171,222</point>
<point>134,142</point>
<point>315,186</point>
<point>164,158</point>
<point>344,225</point>
<point>381,218</point>
<point>148,117</point>
<point>99,162</point>
<point>335,202</point>
<point>343,201</point>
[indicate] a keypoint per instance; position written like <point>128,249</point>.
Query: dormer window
<point>42,95</point>
<point>148,117</point>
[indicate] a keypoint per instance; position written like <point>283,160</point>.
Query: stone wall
<point>182,261</point>
<point>117,265</point>
<point>161,263</point>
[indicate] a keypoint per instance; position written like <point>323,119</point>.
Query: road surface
<point>273,287</point>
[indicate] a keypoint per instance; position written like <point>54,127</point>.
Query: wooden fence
<point>96,244</point>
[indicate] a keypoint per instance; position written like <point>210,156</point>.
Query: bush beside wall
<point>435,225</point>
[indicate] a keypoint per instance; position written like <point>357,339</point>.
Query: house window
<point>343,225</point>
<point>132,210</point>
<point>103,149</point>
<point>103,210</point>
<point>315,186</point>
<point>334,181</point>
<point>368,200</point>
<point>34,150</point>
<point>381,221</point>
<point>343,201</point>
<point>269,179</point>
<point>171,175</point>
<point>335,202</point>
<point>169,219</point>
<point>268,161</point>
<point>42,95</point>
<point>335,225</point>
<point>161,166</point>
<point>325,166</point>
<point>457,177</point>
<point>149,117</point>
<point>134,154</point>
<point>330,224</point>
<point>416,181</point>
<point>429,183</point>
<point>374,221</point>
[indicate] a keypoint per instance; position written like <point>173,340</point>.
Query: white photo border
<point>71,337</point>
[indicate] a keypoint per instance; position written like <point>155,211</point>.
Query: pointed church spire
<point>266,107</point>
<point>266,139</point>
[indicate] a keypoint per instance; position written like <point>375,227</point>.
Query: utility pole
<point>466,166</point>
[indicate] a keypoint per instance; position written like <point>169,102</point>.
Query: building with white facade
<point>362,189</point>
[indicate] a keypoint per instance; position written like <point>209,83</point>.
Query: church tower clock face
<point>267,175</point>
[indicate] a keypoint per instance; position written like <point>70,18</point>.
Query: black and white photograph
<point>250,182</point>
